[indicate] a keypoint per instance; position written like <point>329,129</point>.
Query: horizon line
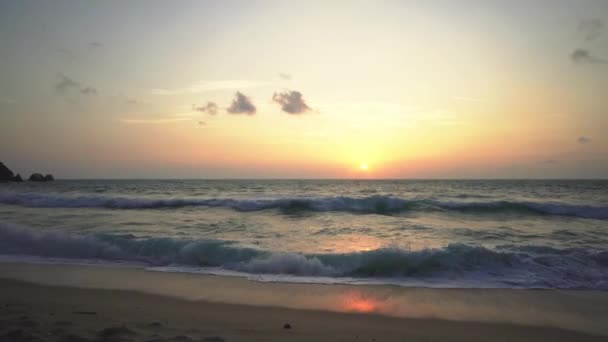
<point>328,179</point>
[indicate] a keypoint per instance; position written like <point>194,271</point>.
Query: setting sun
<point>409,170</point>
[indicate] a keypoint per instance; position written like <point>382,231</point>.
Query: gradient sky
<point>413,89</point>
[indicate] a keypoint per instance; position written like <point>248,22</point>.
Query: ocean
<point>419,233</point>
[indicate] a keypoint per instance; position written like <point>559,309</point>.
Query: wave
<point>506,266</point>
<point>383,205</point>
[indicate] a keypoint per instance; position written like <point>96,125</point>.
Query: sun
<point>363,166</point>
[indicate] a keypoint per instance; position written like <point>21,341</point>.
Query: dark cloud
<point>550,161</point>
<point>584,56</point>
<point>66,84</point>
<point>209,108</point>
<point>584,140</point>
<point>291,102</point>
<point>284,76</point>
<point>95,45</point>
<point>591,29</point>
<point>241,105</point>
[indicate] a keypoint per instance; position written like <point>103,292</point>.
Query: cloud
<point>550,161</point>
<point>202,123</point>
<point>209,108</point>
<point>284,76</point>
<point>591,29</point>
<point>584,140</point>
<point>241,105</point>
<point>204,86</point>
<point>95,45</point>
<point>6,100</point>
<point>66,84</point>
<point>88,91</point>
<point>291,102</point>
<point>68,54</point>
<point>153,121</point>
<point>584,56</point>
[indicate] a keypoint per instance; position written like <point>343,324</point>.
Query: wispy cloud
<point>65,84</point>
<point>205,86</point>
<point>284,76</point>
<point>67,54</point>
<point>584,56</point>
<point>591,29</point>
<point>241,105</point>
<point>291,102</point>
<point>583,140</point>
<point>95,45</point>
<point>153,121</point>
<point>210,108</point>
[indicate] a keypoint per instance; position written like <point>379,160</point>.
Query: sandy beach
<point>72,303</point>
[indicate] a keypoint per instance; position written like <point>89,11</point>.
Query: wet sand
<point>74,303</point>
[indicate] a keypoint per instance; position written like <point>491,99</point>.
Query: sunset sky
<point>305,89</point>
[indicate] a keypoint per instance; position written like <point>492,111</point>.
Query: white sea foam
<point>508,266</point>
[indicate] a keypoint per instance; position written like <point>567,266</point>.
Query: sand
<point>74,303</point>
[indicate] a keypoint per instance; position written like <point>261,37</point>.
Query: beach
<point>318,260</point>
<point>200,170</point>
<point>52,302</point>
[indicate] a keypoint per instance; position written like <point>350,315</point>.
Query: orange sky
<point>463,89</point>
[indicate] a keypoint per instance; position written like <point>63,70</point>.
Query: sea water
<point>426,233</point>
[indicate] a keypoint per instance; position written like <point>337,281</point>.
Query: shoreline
<point>245,304</point>
<point>54,313</point>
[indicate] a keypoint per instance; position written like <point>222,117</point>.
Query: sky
<point>305,89</point>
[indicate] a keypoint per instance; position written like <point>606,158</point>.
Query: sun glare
<point>363,166</point>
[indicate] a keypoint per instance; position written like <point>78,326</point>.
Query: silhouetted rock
<point>6,175</point>
<point>286,326</point>
<point>37,177</point>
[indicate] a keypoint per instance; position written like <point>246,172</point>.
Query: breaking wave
<point>384,205</point>
<point>506,266</point>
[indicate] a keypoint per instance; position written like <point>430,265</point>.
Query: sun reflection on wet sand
<point>355,301</point>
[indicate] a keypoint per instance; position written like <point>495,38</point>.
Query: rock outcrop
<point>37,177</point>
<point>6,175</point>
